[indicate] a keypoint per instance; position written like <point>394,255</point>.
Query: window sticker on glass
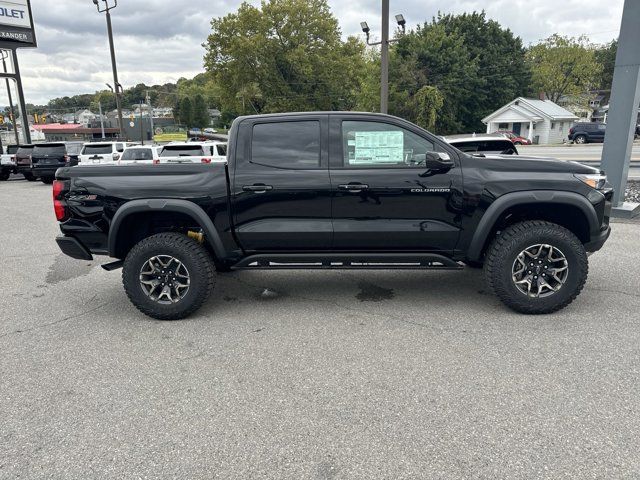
<point>378,147</point>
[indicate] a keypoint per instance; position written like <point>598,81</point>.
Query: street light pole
<point>118,88</point>
<point>384,52</point>
<point>384,59</point>
<point>5,54</point>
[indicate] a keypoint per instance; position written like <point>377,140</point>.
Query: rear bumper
<point>598,240</point>
<point>46,171</point>
<point>73,248</point>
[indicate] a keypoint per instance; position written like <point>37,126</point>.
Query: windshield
<point>137,154</point>
<point>50,149</point>
<point>182,151</point>
<point>97,149</point>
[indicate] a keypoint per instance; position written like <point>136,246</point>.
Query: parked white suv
<point>139,155</point>
<point>8,161</point>
<point>101,153</point>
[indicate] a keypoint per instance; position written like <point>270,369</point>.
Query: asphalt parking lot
<point>367,374</point>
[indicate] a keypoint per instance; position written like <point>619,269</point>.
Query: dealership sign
<point>16,24</point>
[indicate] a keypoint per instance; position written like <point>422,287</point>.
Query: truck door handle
<point>353,187</point>
<point>257,188</point>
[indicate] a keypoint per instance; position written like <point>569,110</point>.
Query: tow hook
<point>197,236</point>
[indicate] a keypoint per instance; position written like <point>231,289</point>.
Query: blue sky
<point>159,40</point>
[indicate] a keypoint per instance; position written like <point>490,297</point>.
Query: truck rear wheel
<point>168,276</point>
<point>536,267</point>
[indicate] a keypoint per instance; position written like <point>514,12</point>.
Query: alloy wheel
<point>164,279</point>
<point>540,270</point>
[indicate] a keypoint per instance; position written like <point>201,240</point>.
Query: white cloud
<point>158,41</point>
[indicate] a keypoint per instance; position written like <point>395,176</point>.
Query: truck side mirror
<point>437,161</point>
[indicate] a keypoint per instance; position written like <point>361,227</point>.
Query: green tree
<point>201,117</point>
<point>186,112</point>
<point>502,70</point>
<point>564,66</point>
<point>429,56</point>
<point>429,101</point>
<point>284,55</point>
<point>606,57</point>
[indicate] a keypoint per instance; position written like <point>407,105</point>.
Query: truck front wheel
<point>168,276</point>
<point>536,267</point>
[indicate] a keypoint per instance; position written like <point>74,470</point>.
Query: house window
<point>553,125</point>
<point>503,126</point>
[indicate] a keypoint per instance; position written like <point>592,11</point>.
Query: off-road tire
<point>502,254</point>
<point>195,258</point>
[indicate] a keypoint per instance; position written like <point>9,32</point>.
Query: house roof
<point>534,110</point>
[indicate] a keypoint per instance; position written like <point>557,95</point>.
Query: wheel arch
<point>169,206</point>
<point>568,209</point>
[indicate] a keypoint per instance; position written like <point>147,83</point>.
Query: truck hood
<point>520,163</point>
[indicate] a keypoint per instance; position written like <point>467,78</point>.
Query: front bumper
<point>598,240</point>
<point>73,248</point>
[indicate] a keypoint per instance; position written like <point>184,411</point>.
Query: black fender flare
<point>212,237</point>
<point>508,200</point>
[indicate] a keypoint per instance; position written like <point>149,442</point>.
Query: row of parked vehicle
<point>41,160</point>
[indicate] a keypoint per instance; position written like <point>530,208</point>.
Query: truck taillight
<point>205,160</point>
<point>59,204</point>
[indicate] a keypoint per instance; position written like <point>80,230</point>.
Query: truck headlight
<point>595,180</point>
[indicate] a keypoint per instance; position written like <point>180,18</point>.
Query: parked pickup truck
<point>337,190</point>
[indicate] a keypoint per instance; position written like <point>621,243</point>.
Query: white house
<point>539,120</point>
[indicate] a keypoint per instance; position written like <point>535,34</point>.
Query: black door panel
<point>281,188</point>
<point>396,204</point>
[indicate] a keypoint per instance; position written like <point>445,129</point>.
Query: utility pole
<point>384,52</point>
<point>5,54</point>
<point>623,110</point>
<point>118,88</point>
<point>148,100</point>
<point>101,118</point>
<point>141,127</point>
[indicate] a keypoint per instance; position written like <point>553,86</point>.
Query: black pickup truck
<point>337,190</point>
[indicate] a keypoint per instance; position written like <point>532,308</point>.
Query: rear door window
<point>291,145</point>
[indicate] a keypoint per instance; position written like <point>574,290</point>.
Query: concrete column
<point>530,135</point>
<point>623,109</point>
